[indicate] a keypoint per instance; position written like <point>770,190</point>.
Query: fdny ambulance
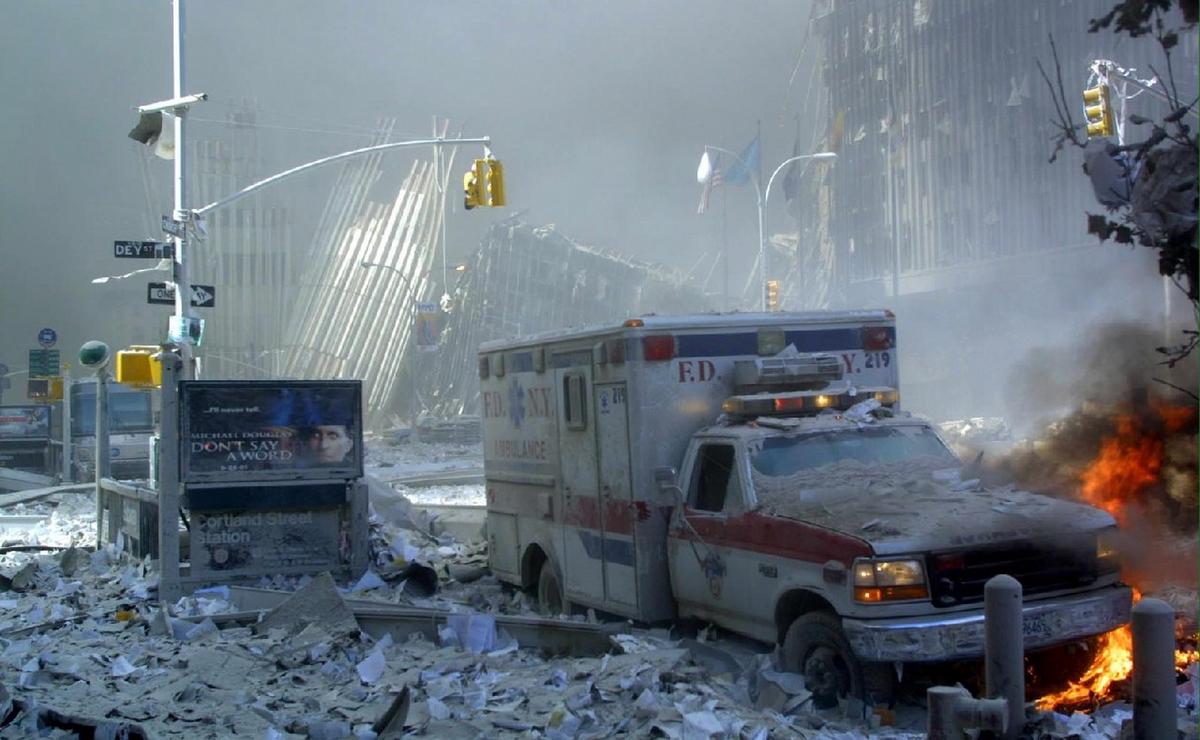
<point>756,471</point>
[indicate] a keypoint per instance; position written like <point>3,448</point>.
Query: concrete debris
<point>969,437</point>
<point>464,429</point>
<point>324,661</point>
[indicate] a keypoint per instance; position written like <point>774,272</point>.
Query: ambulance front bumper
<point>955,636</point>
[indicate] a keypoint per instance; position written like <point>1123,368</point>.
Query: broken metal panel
<point>358,321</point>
<point>346,201</point>
<point>525,279</point>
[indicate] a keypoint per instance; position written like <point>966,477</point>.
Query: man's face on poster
<point>330,443</point>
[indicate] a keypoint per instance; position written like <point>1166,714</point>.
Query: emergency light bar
<point>786,373</point>
<point>799,403</point>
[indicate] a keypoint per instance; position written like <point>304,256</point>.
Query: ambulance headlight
<point>1108,554</point>
<point>876,581</point>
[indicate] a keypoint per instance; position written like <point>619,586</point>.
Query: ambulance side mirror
<point>666,478</point>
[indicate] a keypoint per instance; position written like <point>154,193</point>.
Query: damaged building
<point>942,202</point>
<point>526,279</point>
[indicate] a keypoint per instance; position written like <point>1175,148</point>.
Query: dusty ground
<point>80,635</point>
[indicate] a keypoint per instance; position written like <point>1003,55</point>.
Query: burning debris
<point>1130,448</point>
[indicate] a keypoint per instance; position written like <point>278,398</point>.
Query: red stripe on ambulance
<point>770,535</point>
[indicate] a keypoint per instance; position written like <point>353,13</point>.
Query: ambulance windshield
<point>787,455</point>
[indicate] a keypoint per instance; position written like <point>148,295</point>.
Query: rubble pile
<point>107,655</point>
<point>86,649</point>
<point>968,437</point>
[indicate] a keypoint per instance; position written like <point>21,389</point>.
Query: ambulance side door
<point>583,533</point>
<point>696,542</point>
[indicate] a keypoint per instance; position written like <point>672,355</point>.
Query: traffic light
<point>473,186</point>
<point>45,389</point>
<point>139,366</point>
<point>1097,109</point>
<point>772,295</point>
<point>495,183</point>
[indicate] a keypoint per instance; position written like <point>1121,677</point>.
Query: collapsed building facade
<point>358,294</point>
<point>942,203</point>
<point>525,279</point>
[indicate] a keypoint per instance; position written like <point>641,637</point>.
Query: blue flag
<point>744,167</point>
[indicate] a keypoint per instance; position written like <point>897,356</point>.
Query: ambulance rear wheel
<point>549,592</point>
<point>816,648</point>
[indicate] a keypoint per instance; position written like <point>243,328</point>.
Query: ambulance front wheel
<point>549,592</point>
<point>816,647</point>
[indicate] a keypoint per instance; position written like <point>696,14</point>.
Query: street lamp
<point>185,222</point>
<point>162,266</point>
<point>762,196</point>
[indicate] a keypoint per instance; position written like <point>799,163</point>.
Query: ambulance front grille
<point>1066,562</point>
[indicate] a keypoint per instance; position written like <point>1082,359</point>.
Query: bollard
<point>942,721</point>
<point>1004,649</point>
<point>952,710</point>
<point>100,459</point>
<point>1153,670</point>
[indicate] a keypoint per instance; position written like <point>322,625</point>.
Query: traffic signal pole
<point>182,279</point>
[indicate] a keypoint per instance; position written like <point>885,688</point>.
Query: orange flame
<point>1128,464</point>
<point>1113,662</point>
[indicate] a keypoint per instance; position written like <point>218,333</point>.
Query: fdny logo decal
<point>696,371</point>
<point>714,572</point>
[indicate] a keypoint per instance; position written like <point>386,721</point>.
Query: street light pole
<point>249,189</point>
<point>181,278</point>
<point>765,197</point>
<point>762,195</point>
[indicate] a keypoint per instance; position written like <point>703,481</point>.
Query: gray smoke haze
<point>599,111</point>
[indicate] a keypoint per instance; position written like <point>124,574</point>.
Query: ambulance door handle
<point>605,491</point>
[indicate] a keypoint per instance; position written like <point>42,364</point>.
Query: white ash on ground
<point>81,635</point>
<point>468,495</point>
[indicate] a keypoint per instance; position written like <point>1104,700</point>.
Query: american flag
<point>710,175</point>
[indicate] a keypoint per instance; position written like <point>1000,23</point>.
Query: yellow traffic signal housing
<point>495,183</point>
<point>1098,111</point>
<point>473,186</point>
<point>138,367</point>
<point>45,389</point>
<point>772,295</point>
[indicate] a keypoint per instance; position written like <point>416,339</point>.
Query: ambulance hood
<point>902,512</point>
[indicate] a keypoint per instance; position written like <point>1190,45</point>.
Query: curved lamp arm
<point>786,162</point>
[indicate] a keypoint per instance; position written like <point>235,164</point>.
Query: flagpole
<point>725,243</point>
<point>762,244</point>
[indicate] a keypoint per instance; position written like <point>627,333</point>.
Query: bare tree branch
<point>1181,390</point>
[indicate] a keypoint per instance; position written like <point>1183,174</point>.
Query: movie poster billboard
<point>24,422</point>
<point>270,430</point>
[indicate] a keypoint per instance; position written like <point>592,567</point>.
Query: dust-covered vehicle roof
<point>891,482</point>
